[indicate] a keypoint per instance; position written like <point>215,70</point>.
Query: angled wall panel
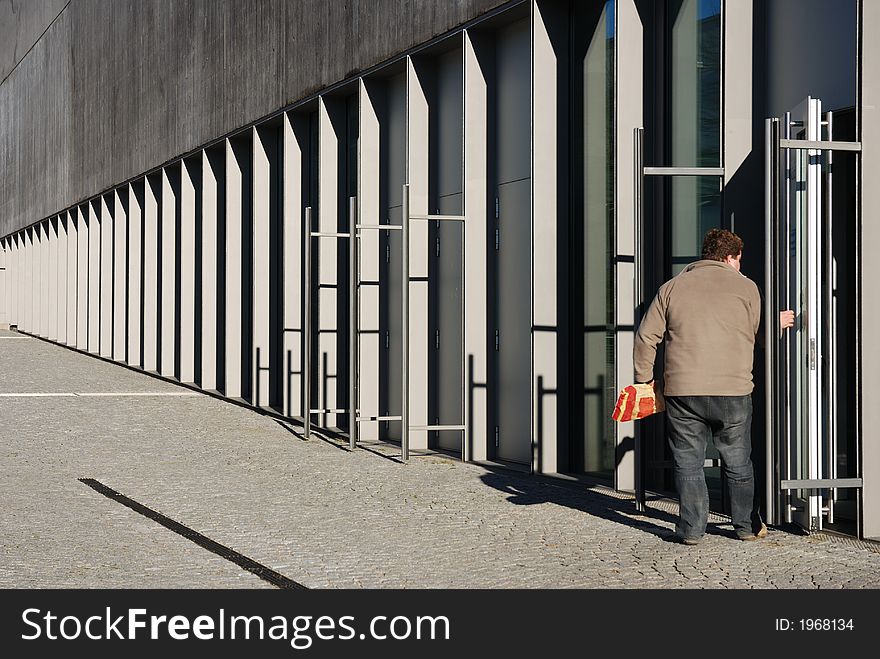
<point>233,302</point>
<point>476,271</point>
<point>61,280</point>
<point>152,198</point>
<point>105,342</point>
<point>11,277</point>
<point>34,305</point>
<point>190,179</point>
<point>120,271</point>
<point>417,175</point>
<point>168,269</point>
<point>511,380</point>
<point>82,277</point>
<point>70,282</point>
<point>441,78</point>
<point>263,143</point>
<point>547,212</point>
<point>4,281</point>
<point>24,279</point>
<point>295,142</point>
<point>31,310</point>
<point>94,290</point>
<point>326,250</point>
<point>52,270</point>
<point>368,258</point>
<point>212,170</point>
<point>628,104</point>
<point>45,273</point>
<point>135,271</point>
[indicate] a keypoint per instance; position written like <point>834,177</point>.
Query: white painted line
<point>32,395</point>
<point>67,394</point>
<point>141,393</point>
<point>15,338</point>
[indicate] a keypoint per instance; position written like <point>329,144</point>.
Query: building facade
<point>437,223</point>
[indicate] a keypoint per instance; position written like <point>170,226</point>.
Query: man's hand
<point>786,319</point>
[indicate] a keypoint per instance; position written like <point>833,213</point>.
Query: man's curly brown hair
<point>721,243</point>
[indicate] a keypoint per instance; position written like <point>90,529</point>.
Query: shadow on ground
<point>529,491</point>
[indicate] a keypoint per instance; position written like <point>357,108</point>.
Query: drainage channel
<point>265,573</point>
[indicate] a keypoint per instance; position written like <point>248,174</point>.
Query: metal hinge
<point>438,245</point>
<point>497,435</point>
<point>497,208</point>
<point>812,354</point>
<point>387,253</point>
<point>497,339</point>
<point>497,239</point>
<point>437,339</point>
<point>386,339</point>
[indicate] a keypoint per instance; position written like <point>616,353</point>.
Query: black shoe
<point>689,541</point>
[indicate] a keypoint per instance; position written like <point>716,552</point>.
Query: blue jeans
<point>728,419</point>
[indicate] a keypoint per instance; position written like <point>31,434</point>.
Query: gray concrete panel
<point>120,272</point>
<point>71,278</point>
<point>513,280</point>
<point>628,104</point>
<point>82,277</point>
<point>211,206</point>
<point>45,267</point>
<point>21,26</point>
<point>262,144</point>
<point>106,303</point>
<point>93,210</point>
<point>150,236</point>
<point>52,274</point>
<point>476,329</point>
<point>295,139</point>
<point>189,182</point>
<point>189,72</point>
<point>61,275</point>
<point>4,282</point>
<point>135,271</point>
<point>168,269</point>
<point>368,350</point>
<point>417,176</point>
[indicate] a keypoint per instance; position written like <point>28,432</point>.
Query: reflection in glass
<point>696,208</point>
<point>695,122</point>
<point>695,86</point>
<point>598,241</point>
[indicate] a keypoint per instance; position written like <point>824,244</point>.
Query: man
<point>708,317</point>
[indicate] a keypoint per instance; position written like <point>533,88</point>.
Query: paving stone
<point>320,515</point>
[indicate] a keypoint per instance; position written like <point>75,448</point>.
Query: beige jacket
<point>708,317</point>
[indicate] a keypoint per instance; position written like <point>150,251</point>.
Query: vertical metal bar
<point>638,207</point>
<point>830,322</point>
<point>352,323</point>
<point>770,340</point>
<point>307,323</point>
<point>785,255</point>
<point>404,300</point>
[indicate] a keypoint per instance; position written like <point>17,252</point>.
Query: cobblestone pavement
<point>316,513</point>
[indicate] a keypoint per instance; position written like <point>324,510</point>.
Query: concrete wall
<point>114,88</point>
<point>22,23</point>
